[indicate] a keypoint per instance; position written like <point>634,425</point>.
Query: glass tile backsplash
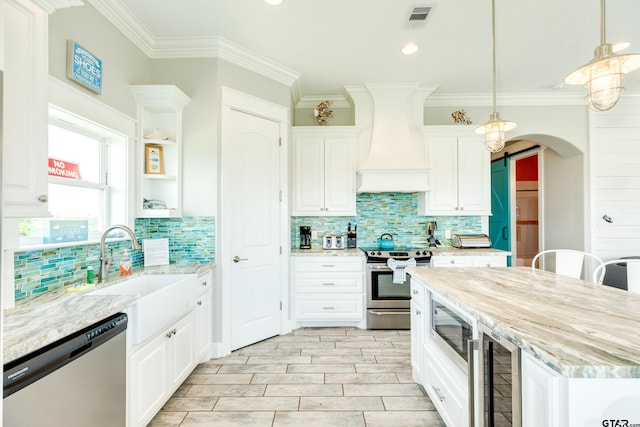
<point>378,213</point>
<point>191,239</point>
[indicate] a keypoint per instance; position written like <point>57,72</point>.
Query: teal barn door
<point>499,222</point>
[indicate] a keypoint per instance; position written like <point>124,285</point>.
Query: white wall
<point>564,202</point>
<point>615,181</point>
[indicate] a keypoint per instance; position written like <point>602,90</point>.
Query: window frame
<point>108,138</point>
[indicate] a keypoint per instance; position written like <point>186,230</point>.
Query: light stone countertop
<point>327,252</point>
<point>43,319</point>
<point>442,251</point>
<point>578,329</point>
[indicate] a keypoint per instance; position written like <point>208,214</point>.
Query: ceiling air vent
<point>418,16</point>
<point>419,13</point>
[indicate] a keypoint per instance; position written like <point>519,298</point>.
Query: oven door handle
<point>381,313</point>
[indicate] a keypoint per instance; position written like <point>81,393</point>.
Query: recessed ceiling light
<point>409,48</point>
<point>273,2</point>
<point>620,46</point>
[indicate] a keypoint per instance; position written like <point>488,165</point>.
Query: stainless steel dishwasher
<point>79,380</point>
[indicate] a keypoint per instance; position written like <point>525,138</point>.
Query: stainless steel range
<point>388,302</point>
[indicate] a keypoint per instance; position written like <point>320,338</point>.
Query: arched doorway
<point>538,197</point>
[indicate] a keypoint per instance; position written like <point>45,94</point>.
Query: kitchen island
<point>580,342</point>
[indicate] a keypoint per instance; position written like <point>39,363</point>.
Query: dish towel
<point>399,275</point>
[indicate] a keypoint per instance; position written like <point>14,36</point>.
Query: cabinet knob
<point>461,208</point>
<point>453,261</point>
<point>43,198</point>
<point>199,302</point>
<point>204,283</point>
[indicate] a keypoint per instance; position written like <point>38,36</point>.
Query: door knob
<point>237,259</point>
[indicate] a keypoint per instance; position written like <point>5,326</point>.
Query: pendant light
<point>603,75</point>
<point>495,128</point>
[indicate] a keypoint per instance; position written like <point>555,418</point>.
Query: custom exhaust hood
<point>391,116</point>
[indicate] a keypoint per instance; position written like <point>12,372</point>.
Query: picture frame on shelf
<point>154,161</point>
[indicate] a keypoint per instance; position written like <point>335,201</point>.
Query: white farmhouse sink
<point>164,299</point>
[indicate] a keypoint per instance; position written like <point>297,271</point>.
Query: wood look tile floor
<point>326,377</point>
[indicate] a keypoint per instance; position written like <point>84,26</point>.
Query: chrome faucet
<point>106,261</point>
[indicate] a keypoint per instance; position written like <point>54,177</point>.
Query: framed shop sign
<point>84,67</point>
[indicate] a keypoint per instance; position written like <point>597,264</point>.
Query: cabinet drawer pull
<point>328,265</point>
<point>328,284</point>
<point>328,308</point>
<point>453,261</point>
<point>415,292</point>
<point>43,198</point>
<point>418,312</point>
<point>171,333</point>
<point>437,392</point>
<point>204,283</point>
<point>199,302</point>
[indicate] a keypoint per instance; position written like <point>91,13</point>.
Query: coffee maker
<point>305,237</point>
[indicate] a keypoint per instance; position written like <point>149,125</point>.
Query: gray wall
<point>198,79</point>
<point>123,63</point>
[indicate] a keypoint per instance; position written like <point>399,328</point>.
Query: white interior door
<point>252,209</point>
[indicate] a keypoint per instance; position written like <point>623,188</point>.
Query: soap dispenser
<point>126,264</point>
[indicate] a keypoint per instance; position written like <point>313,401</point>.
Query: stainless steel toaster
<point>333,241</point>
<point>470,241</point>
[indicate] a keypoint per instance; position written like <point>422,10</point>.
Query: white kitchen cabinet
<point>419,317</point>
<point>328,290</point>
<point>469,261</point>
<point>447,386</point>
<point>541,396</point>
<point>324,174</point>
<point>203,312</point>
<point>25,145</point>
<point>460,173</point>
<point>159,111</point>
<point>155,370</point>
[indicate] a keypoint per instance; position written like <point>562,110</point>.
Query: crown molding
<point>190,47</point>
<point>255,62</point>
<point>122,18</point>
<point>51,6</point>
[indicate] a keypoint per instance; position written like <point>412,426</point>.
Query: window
<point>87,183</point>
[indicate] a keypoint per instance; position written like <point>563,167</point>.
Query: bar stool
<point>567,262</point>
<point>633,273</point>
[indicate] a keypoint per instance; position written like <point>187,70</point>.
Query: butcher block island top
<point>578,329</point>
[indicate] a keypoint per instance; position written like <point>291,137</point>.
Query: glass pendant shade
<point>603,75</point>
<point>493,131</point>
